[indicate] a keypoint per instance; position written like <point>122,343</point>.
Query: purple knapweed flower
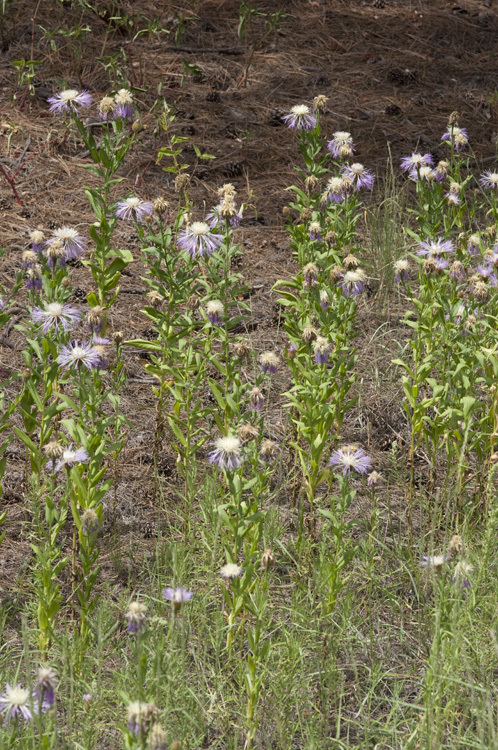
<point>341,146</point>
<point>359,176</point>
<point>353,282</point>
<point>123,104</point>
<point>473,244</point>
<point>141,716</point>
<point>423,174</point>
<point>79,354</point>
<point>71,458</point>
<point>34,278</point>
<point>133,209</point>
<point>73,243</point>
<point>45,687</point>
<point>226,453</point>
<point>335,190</point>
<point>269,362</point>
<point>178,596</point>
<point>214,311</point>
<point>350,458</point>
<point>256,399</point>
<point>197,239</point>
<point>136,617</point>
<point>300,117</point>
<point>489,180</point>
<point>56,315</point>
<point>457,271</point>
<point>401,270</point>
<point>314,231</point>
<point>69,100</point>
<point>453,198</point>
<point>457,136</point>
<point>37,241</point>
<point>461,573</point>
<point>416,161</point>
<point>321,348</point>
<point>99,344</point>
<point>433,248</point>
<point>14,704</point>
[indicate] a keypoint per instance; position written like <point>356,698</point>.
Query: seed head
<point>230,570</point>
<point>310,274</point>
<point>155,298</point>
<point>89,522</point>
<point>181,182</point>
<point>241,349</point>
<point>309,334</point>
<point>160,206</point>
<point>319,102</point>
<point>374,478</point>
<point>351,261</point>
<point>247,432</point>
<point>336,272</point>
<point>53,450</point>
<point>118,337</point>
<point>267,559</point>
<point>311,183</point>
<point>453,118</point>
<point>269,450</point>
<point>455,546</point>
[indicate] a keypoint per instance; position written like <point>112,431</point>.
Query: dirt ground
<point>393,71</point>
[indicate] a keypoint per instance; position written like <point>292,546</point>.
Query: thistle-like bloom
<point>461,573</point>
<point>310,274</point>
<point>158,738</point>
<point>230,570</point>
<point>71,458</point>
<point>89,522</point>
<point>56,315</point>
<point>45,687</point>
<point>34,278</point>
<point>106,109</point>
<point>72,242</point>
<point>69,100</point>
<point>434,248</point>
<point>341,144</point>
<point>321,347</point>
<point>256,399</point>
<point>141,716</point>
<point>487,274</point>
<point>401,270</point>
<point>359,176</point>
<point>433,561</point>
<point>269,362</point>
<point>226,453</point>
<point>473,244</point>
<point>350,458</point>
<point>214,311</point>
<point>416,161</point>
<point>489,180</point>
<point>353,283</point>
<point>29,259</point>
<point>457,136</point>
<point>136,617</point>
<point>100,344</point>
<point>453,198</point>
<point>76,354</point>
<point>324,299</point>
<point>177,596</point>
<point>314,231</point>
<point>134,209</point>
<point>457,271</point>
<point>197,239</point>
<point>268,451</point>
<point>37,241</point>
<point>123,102</point>
<point>423,173</point>
<point>374,478</point>
<point>441,171</point>
<point>300,117</point>
<point>334,192</point>
<point>14,704</point>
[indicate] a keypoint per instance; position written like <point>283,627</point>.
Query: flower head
<point>353,283</point>
<point>34,278</point>
<point>341,144</point>
<point>71,458</point>
<point>77,355</point>
<point>489,180</point>
<point>46,685</point>
<point>136,617</point>
<point>314,231</point>
<point>461,573</point>
<point>310,274</point>
<point>433,561</point>
<point>359,176</point>
<point>269,362</point>
<point>56,315</point>
<point>226,453</point>
<point>157,738</point>
<point>89,522</point>
<point>134,208</point>
<point>457,136</point>
<point>435,248</point>
<point>72,242</point>
<point>401,270</point>
<point>256,399</point>
<point>69,100</point>
<point>335,190</point>
<point>350,458</point>
<point>268,451</point>
<point>177,596</point>
<point>300,117</point>
<point>37,241</point>
<point>197,239</point>
<point>457,271</point>
<point>215,310</point>
<point>416,161</point>
<point>321,347</point>
<point>324,299</point>
<point>141,716</point>
<point>14,703</point>
<point>230,570</point>
<point>123,103</point>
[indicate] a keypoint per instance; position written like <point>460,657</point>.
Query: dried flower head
<point>45,686</point>
<point>181,182</point>
<point>315,231</point>
<point>401,270</point>
<point>95,318</point>
<point>321,348</point>
<point>230,570</point>
<point>29,258</point>
<point>335,273</point>
<point>309,334</point>
<point>324,299</point>
<point>256,399</point>
<point>351,261</point>
<point>269,450</point>
<point>53,450</point>
<point>37,239</point>
<point>141,716</point>
<point>247,432</point>
<point>310,274</point>
<point>89,522</point>
<point>34,278</point>
<point>319,102</point>
<point>157,738</point>
<point>155,298</point>
<point>455,546</point>
<point>461,574</point>
<point>241,349</point>
<point>269,362</point>
<point>118,337</point>
<point>433,561</point>
<point>311,183</point>
<point>374,478</point>
<point>160,206</point>
<point>267,559</point>
<point>215,310</point>
<point>193,302</point>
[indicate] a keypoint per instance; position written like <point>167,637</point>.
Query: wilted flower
<point>269,362</point>
<point>441,171</point>
<point>256,399</point>
<point>374,478</point>
<point>34,278</point>
<point>226,453</point>
<point>54,251</point>
<point>457,136</point>
<point>319,102</point>
<point>215,310</point>
<point>267,559</point>
<point>309,334</point>
<point>230,570</point>
<point>95,318</point>
<point>353,283</point>
<point>401,270</point>
<point>416,161</point>
<point>106,108</point>
<point>123,102</point>
<point>160,206</point>
<point>453,198</point>
<point>197,239</point>
<point>14,704</point>
<point>423,173</point>
<point>70,458</point>
<point>55,315</point>
<point>321,347</point>
<point>341,144</point>
<point>461,573</point>
<point>89,522</point>
<point>157,738</point>
<point>310,274</point>
<point>141,716</point>
<point>457,271</point>
<point>300,117</point>
<point>79,354</point>
<point>351,261</point>
<point>45,686</point>
<point>334,191</point>
<point>133,208</point>
<point>247,432</point>
<point>473,244</point>
<point>69,101</point>
<point>37,241</point>
<point>241,349</point>
<point>136,617</point>
<point>268,450</point>
<point>359,176</point>
<point>324,299</point>
<point>489,180</point>
<point>314,231</point>
<point>455,546</point>
<point>177,596</point>
<point>350,458</point>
